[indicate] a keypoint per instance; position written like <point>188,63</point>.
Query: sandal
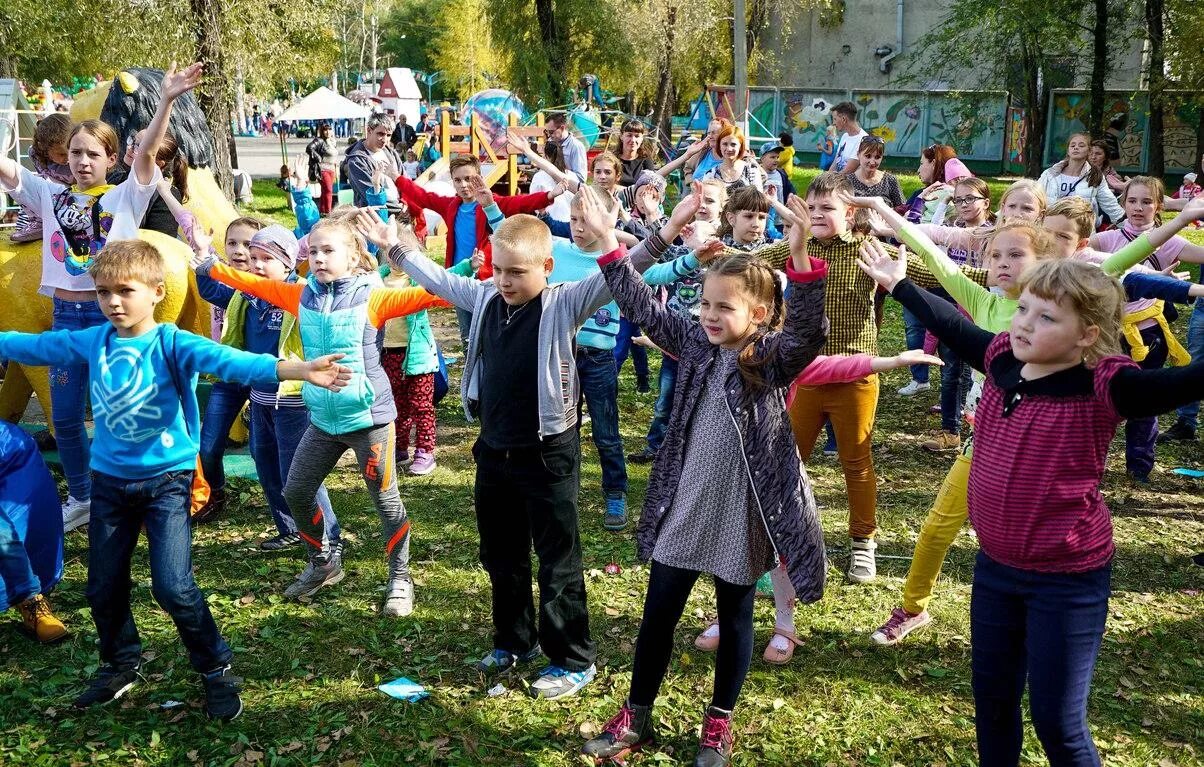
<point>706,641</point>
<point>778,657</point>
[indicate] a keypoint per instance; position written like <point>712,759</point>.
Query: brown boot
<point>39,623</point>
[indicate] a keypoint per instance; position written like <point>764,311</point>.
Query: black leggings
<point>668,589</point>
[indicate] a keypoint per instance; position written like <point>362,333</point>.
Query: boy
<point>142,377</point>
<point>777,182</point>
<point>844,117</point>
<point>520,378</point>
<point>786,139</point>
<point>464,218</point>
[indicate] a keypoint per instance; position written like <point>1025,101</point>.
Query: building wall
<point>842,56</point>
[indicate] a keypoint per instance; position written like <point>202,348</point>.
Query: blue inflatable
<point>31,520</point>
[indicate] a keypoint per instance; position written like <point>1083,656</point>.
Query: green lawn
<point>311,668</point>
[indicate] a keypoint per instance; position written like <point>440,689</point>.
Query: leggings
<point>316,457</point>
<point>415,398</point>
<point>668,589</point>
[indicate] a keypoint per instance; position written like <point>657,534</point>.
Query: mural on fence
<point>972,123</point>
<point>1017,135</point>
<point>1069,115</point>
<point>805,114</point>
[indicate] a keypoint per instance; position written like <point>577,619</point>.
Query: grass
<point>311,668</point>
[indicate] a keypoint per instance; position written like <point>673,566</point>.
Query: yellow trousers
<point>944,521</point>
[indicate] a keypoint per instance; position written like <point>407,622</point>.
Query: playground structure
<point>475,140</point>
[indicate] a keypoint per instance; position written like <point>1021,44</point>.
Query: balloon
<point>493,107</point>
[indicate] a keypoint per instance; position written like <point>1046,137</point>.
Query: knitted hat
<point>648,177</point>
<point>1189,178</point>
<point>278,242</point>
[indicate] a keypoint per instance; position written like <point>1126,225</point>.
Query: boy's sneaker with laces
<point>556,682</point>
<point>863,567</point>
<point>616,513</point>
<point>76,513</point>
<point>39,623</point>
<point>913,388</point>
<point>315,576</point>
<point>222,699</point>
<point>716,743</point>
<point>399,598</point>
<point>900,624</point>
<point>109,684</point>
<point>627,732</point>
<point>1179,432</point>
<point>942,442</point>
<point>283,541</point>
<point>499,661</point>
<point>424,463</point>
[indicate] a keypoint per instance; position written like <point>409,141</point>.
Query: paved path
<point>261,157</point>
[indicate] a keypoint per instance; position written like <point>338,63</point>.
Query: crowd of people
<point>1045,310</point>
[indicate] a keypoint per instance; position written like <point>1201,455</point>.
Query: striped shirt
<point>1031,512</point>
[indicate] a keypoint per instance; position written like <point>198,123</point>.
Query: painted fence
<point>1069,110</point>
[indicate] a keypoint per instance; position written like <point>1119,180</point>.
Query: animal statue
<point>128,107</point>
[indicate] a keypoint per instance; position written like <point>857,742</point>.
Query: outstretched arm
<point>175,85</point>
<point>1130,389</point>
<point>518,145</point>
<point>404,252</point>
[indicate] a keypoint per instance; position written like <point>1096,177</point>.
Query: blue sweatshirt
<point>572,264</point>
<point>261,328</point>
<point>143,389</point>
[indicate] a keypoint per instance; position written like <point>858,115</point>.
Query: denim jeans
<point>1046,628</point>
<point>221,411</point>
<point>1141,434</point>
<point>664,403</point>
<point>1190,413</point>
<point>914,331</point>
<point>275,434</point>
<point>120,508</point>
<point>18,581</point>
<point>624,346</point>
<point>600,391</point>
<point>464,321</point>
<point>69,399</point>
<point>955,385</point>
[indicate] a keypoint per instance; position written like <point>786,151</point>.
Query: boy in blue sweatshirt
<point>142,378</point>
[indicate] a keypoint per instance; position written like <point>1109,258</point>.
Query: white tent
<point>399,94</point>
<point>325,104</point>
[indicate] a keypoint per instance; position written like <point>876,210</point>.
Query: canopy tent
<point>325,104</point>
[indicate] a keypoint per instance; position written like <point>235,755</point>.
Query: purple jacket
<point>780,487</point>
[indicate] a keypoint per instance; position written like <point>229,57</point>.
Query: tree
<point>464,50</point>
<point>1155,11</point>
<point>1099,67</point>
<point>1184,34</point>
<point>408,30</point>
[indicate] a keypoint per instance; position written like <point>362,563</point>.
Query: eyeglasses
<point>966,200</point>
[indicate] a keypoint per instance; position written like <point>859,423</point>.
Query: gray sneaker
<point>399,598</point>
<point>863,567</point>
<point>315,576</point>
<point>557,682</point>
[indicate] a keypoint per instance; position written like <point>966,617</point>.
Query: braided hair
<point>761,284</point>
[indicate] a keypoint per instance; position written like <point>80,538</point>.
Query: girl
<point>411,167</point>
<point>1055,382</point>
<point>321,152</point>
<point>77,220</point>
<point>1014,247</point>
<point>634,154</point>
<point>1143,198</point>
<point>1074,175</point>
<point>938,166</point>
<point>49,156</point>
<point>732,167</point>
<point>160,215</point>
<point>546,180</point>
<point>735,366</point>
<point>1097,156</point>
<point>742,225</point>
<point>339,309</point>
<point>869,180</point>
<point>1024,200</point>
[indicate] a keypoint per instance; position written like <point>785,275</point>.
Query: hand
<point>873,203</point>
<point>644,341</point>
<point>177,83</point>
<point>370,226</point>
<point>698,147</point>
<point>327,373</point>
<point>1194,209</point>
<point>379,179</point>
<point>878,224</point>
<point>1169,271</point>
<point>202,241</point>
<point>478,259</point>
<point>800,231</point>
<point>598,217</point>
<point>697,234</point>
<point>687,207</point>
<point>931,190</point>
<point>711,251</point>
<point>875,261</point>
<point>516,143</point>
<point>915,357</point>
<point>480,192</point>
<point>771,191</point>
<point>558,190</point>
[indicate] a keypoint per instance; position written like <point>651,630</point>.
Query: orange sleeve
<point>390,303</point>
<point>286,295</point>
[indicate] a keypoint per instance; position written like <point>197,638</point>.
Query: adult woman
<point>732,167</point>
<point>1074,175</point>
<point>1097,156</point>
<point>322,151</point>
<point>634,153</point>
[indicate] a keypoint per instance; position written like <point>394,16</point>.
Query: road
<point>261,156</point>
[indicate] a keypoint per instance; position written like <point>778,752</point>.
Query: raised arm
<point>404,252</point>
<point>175,84</point>
<point>518,145</point>
<point>286,295</point>
<point>51,347</point>
<point>690,152</point>
<point>1131,389</point>
<point>1137,250</point>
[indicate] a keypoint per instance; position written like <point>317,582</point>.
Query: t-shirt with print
<point>847,149</point>
<point>76,224</point>
<point>572,264</point>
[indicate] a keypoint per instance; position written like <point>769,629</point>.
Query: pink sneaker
<point>424,463</point>
<point>901,624</point>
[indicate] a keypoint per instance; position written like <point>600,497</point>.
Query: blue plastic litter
<point>1193,473</point>
<point>404,689</point>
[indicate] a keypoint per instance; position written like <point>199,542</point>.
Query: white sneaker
<point>913,388</point>
<point>76,513</point>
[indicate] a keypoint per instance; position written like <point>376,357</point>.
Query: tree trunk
<point>1034,112</point>
<point>1199,133</point>
<point>214,94</point>
<point>553,46</point>
<point>1099,69</point>
<point>1154,10</point>
<point>664,81</point>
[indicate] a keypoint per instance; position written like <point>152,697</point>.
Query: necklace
<point>512,314</point>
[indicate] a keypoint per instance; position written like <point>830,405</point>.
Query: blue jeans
<point>914,331</point>
<point>624,346</point>
<point>120,508</point>
<point>600,391</point>
<point>955,385</point>
<point>664,403</point>
<point>221,411</point>
<point>1141,434</point>
<point>18,581</point>
<point>1045,627</point>
<point>69,399</point>
<point>464,322</point>
<point>275,434</point>
<point>1190,413</point>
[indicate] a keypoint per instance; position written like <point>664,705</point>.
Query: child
<point>1055,382</point>
<point>786,161</point>
<point>340,309</point>
<point>777,184</point>
<point>520,379</point>
<point>745,214</point>
<point>278,414</point>
<point>1188,190</point>
<point>826,146</point>
<point>1075,176</point>
<point>869,180</point>
<point>734,369</point>
<point>1014,247</point>
<point>146,420</point>
<point>1024,200</point>
<point>77,221</point>
<point>49,156</point>
<point>160,213</point>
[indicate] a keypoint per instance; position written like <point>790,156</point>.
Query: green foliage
<point>407,32</point>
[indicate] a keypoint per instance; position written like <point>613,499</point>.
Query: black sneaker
<point>1179,432</point>
<point>280,542</point>
<point>213,508</point>
<point>647,455</point>
<point>499,662</point>
<point>109,684</point>
<point>222,700</point>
